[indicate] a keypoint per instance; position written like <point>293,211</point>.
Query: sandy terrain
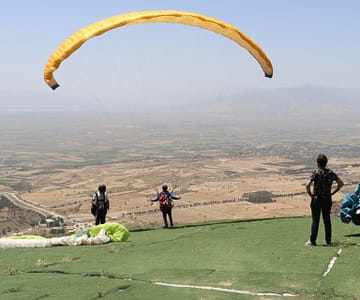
<point>214,188</point>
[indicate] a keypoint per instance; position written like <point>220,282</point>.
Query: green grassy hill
<point>257,259</point>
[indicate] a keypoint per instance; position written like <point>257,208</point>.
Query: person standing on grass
<point>319,188</point>
<point>165,199</point>
<point>100,205</point>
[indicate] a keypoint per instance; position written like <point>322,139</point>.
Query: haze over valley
<point>214,153</point>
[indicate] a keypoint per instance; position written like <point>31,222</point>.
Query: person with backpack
<point>100,204</point>
<point>319,188</point>
<point>165,199</point>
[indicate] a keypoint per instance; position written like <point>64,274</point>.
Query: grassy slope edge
<point>264,256</point>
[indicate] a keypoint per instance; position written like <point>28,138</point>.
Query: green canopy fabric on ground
<point>115,231</point>
<point>101,234</point>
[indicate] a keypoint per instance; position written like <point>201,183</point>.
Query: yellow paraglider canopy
<point>75,41</point>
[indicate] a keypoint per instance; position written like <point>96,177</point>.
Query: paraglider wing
<point>75,41</point>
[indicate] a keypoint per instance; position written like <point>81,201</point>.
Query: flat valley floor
<point>210,189</point>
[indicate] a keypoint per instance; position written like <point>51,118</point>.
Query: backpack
<point>100,202</point>
<point>165,201</point>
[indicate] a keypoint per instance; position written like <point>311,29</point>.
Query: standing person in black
<point>166,204</point>
<point>322,179</point>
<point>100,205</point>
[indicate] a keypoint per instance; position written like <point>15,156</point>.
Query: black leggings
<point>167,211</point>
<point>100,217</point>
<point>320,207</point>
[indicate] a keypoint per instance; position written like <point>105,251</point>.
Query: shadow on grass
<point>210,223</point>
<point>353,235</point>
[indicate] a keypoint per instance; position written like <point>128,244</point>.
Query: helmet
<point>102,188</point>
<point>164,187</point>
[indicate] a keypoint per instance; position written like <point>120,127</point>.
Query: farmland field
<point>57,162</point>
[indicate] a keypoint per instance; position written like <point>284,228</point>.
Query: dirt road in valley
<point>15,200</point>
<point>210,190</point>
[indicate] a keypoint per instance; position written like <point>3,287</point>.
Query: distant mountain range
<point>303,103</point>
<point>15,102</point>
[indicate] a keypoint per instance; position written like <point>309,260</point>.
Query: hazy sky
<point>309,43</point>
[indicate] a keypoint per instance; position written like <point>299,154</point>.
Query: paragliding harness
<point>100,204</point>
<point>165,201</point>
